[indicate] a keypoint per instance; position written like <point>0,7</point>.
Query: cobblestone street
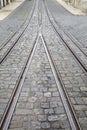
<point>43,68</point>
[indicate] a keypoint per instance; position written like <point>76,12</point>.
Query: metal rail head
<point>77,58</point>
<point>4,124</point>
<point>63,94</point>
<point>20,33</point>
<point>4,116</point>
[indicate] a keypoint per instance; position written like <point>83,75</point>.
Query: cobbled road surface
<point>40,105</point>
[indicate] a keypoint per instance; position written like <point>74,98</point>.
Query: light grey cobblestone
<point>42,115</point>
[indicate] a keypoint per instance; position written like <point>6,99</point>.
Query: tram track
<point>64,73</point>
<point>62,91</point>
<point>16,93</point>
<point>75,50</point>
<point>63,94</point>
<point>4,124</point>
<point>7,46</point>
<point>71,37</point>
<point>16,88</point>
<point>7,115</point>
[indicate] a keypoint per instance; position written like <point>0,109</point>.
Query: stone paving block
<point>23,111</point>
<point>38,111</point>
<point>44,105</point>
<point>53,104</point>
<point>42,117</point>
<point>36,125</point>
<point>45,125</point>
<point>47,94</point>
<point>59,110</point>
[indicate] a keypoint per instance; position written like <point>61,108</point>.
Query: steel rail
<point>76,57</point>
<point>10,37</point>
<point>6,117</point>
<point>16,87</point>
<point>63,94</point>
<point>4,124</point>
<point>71,37</point>
<point>20,33</point>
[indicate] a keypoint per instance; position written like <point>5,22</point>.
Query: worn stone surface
<point>44,114</point>
<point>12,67</point>
<point>72,75</point>
<point>39,106</point>
<point>75,25</point>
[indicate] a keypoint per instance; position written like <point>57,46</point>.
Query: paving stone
<point>48,111</point>
<point>16,124</point>
<point>44,105</point>
<point>80,107</point>
<point>80,114</point>
<point>85,100</point>
<point>36,125</point>
<point>45,125</point>
<point>53,104</point>
<point>83,88</point>
<point>42,117</point>
<point>59,110</point>
<point>29,105</point>
<point>38,111</point>
<point>48,94</point>
<point>56,125</point>
<point>25,124</point>
<point>16,129</point>
<point>55,94</point>
<point>32,99</point>
<point>23,111</point>
<point>53,118</point>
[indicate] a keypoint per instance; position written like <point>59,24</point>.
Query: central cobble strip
<point>39,106</point>
<point>12,67</point>
<point>73,77</point>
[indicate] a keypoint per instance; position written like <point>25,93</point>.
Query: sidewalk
<point>5,11</point>
<point>70,8</point>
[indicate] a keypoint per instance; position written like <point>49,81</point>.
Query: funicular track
<point>8,112</point>
<point>63,94</point>
<point>4,124</point>
<point>9,44</point>
<point>81,56</point>
<point>71,114</point>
